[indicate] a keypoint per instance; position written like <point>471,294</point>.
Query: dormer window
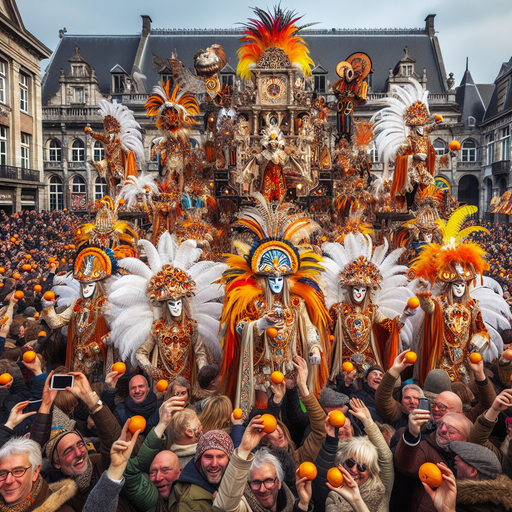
<point>119,76</point>
<point>227,76</point>
<point>78,70</point>
<point>79,95</point>
<point>320,78</point>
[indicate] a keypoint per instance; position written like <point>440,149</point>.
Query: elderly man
<point>22,487</point>
<point>391,411</point>
<point>186,429</point>
<point>151,474</point>
<point>67,450</point>
<point>201,477</point>
<point>141,401</point>
<point>411,452</point>
<point>372,379</point>
<point>255,482</point>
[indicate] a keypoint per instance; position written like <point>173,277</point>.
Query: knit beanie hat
<point>331,398</point>
<point>214,440</point>
<point>56,436</point>
<point>436,382</point>
<point>478,457</point>
<point>374,367</point>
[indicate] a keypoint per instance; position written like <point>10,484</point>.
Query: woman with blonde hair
<point>216,414</point>
<point>369,462</point>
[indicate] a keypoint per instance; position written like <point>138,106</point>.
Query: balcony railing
<point>56,113</point>
<point>17,173</point>
<point>76,165</point>
<point>470,166</point>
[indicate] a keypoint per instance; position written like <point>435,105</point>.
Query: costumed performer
<point>274,309</point>
<point>367,293</point>
<point>165,315</point>
<point>454,324</point>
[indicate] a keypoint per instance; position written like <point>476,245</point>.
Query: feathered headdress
<point>119,118</point>
<point>454,260</point>
<point>174,110</point>
<point>407,106</point>
<point>276,30</point>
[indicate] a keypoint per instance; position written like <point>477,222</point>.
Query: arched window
<point>78,185</point>
<point>100,188</point>
<point>54,151</point>
<point>469,151</point>
<point>56,194</point>
<point>439,146</point>
<point>372,153</point>
<point>77,151</point>
<point>99,151</point>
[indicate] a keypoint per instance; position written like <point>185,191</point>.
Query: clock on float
<point>273,91</point>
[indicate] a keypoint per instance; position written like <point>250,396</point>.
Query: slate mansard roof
<point>384,46</point>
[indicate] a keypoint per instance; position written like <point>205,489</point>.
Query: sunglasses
<point>350,463</point>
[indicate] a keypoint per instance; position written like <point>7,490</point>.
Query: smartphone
<point>61,381</point>
<point>424,404</point>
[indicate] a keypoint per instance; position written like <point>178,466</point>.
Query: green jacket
<point>187,497</point>
<point>138,490</point>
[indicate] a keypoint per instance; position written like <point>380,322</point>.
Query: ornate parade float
<point>272,239</point>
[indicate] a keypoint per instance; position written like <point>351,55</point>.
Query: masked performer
<point>402,128</point>
<point>122,141</point>
<point>166,314</point>
<point>454,323</point>
<point>274,309</point>
<point>367,297</point>
<point>84,316</point>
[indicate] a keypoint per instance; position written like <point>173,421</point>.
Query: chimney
<point>429,25</point>
<point>146,25</point>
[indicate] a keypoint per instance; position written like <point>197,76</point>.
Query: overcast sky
<point>476,29</point>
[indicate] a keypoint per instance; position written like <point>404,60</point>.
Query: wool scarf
<point>285,496</point>
<point>27,502</point>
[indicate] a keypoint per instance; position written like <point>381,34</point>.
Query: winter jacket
<point>191,493</point>
<point>409,456</point>
<point>367,395</point>
<point>105,495</point>
<point>480,432</point>
<point>387,407</point>
<point>484,396</point>
<point>377,499</point>
<point>484,495</point>
<point>148,409</point>
<point>138,490</point>
<point>324,461</point>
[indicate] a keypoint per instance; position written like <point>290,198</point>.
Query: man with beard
<point>254,482</point>
<point>67,450</point>
<point>411,452</point>
<point>201,477</point>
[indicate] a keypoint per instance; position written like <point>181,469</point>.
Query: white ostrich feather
<point>154,260</point>
<point>136,267</point>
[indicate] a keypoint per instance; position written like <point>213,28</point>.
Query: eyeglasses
<point>441,407</point>
<point>16,473</point>
<point>269,483</point>
<point>350,463</point>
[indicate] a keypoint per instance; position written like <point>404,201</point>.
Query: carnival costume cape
<point>398,142</point>
<point>135,310</point>
<point>272,251</point>
<point>453,329</point>
<point>356,263</point>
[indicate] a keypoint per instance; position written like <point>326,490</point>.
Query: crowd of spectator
<point>72,450</point>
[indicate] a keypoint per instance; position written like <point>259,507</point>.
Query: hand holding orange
<point>29,356</point>
<point>237,414</point>
<point>411,357</point>
<point>335,477</point>
<point>475,357</point>
<point>137,423</point>
<point>119,367</point>
<point>277,377</point>
<point>307,470</point>
<point>162,385</point>
<point>269,423</point>
<point>430,474</point>
<point>5,378</point>
<point>336,419</point>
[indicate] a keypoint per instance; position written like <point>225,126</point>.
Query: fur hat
<point>436,382</point>
<point>478,457</point>
<point>214,440</point>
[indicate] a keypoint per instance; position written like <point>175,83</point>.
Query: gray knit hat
<point>436,382</point>
<point>331,398</point>
<point>478,457</point>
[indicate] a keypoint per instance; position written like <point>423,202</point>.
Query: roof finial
<point>467,63</point>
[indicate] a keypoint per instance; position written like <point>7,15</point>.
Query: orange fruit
<point>63,260</point>
<point>335,477</point>
<point>16,275</point>
<point>32,251</point>
<point>51,241</point>
<point>121,201</point>
<point>27,268</point>
<point>507,354</point>
<point>51,260</point>
<point>38,288</point>
<point>36,315</point>
<point>49,295</point>
<point>4,319</point>
<point>66,247</point>
<point>430,474</point>
<point>2,270</point>
<point>13,239</point>
<point>162,385</point>
<point>411,357</point>
<point>119,367</point>
<point>5,378</point>
<point>137,423</point>
<point>337,419</point>
<point>269,423</point>
<point>237,414</point>
<point>1,285</point>
<point>307,470</point>
<point>277,377</point>
<point>271,332</point>
<point>34,266</point>
<point>19,294</point>
<point>439,118</point>
<point>413,302</point>
<point>475,357</point>
<point>331,337</point>
<point>347,367</point>
<point>16,235</point>
<point>41,334</point>
<point>454,145</point>
<point>29,356</point>
<point>28,256</point>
